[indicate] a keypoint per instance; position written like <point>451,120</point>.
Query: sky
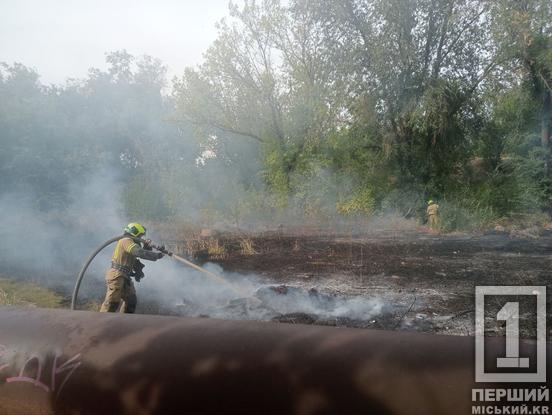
<point>63,38</point>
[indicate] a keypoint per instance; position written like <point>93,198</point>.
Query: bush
<point>464,215</point>
<point>361,203</point>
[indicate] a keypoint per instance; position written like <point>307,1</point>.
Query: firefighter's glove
<point>138,275</point>
<point>138,271</point>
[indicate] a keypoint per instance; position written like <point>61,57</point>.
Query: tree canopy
<point>307,109</point>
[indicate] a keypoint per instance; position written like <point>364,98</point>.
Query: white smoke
<point>50,249</point>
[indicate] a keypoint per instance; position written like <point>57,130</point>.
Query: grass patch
<point>216,250</point>
<point>28,294</point>
<point>246,246</point>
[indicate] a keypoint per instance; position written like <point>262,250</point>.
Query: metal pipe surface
<point>76,362</point>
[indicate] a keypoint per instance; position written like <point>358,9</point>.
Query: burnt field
<point>398,280</point>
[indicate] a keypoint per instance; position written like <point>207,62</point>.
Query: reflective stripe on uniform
<point>131,247</point>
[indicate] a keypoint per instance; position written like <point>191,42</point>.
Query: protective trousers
<point>433,222</point>
<point>120,293</point>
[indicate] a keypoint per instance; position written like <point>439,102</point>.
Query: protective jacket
<point>432,209</point>
<point>125,258</point>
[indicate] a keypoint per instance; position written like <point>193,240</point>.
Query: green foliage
<point>361,203</point>
<point>464,214</point>
<point>509,190</point>
<point>145,198</point>
<point>276,170</point>
<point>327,109</point>
<point>407,202</point>
<point>307,110</point>
<point>439,144</point>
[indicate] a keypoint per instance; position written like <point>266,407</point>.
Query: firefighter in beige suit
<point>432,215</point>
<point>124,265</point>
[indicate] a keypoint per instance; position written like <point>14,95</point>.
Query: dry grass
<point>91,306</point>
<point>246,246</point>
<point>215,249</point>
<point>191,247</point>
<point>8,298</point>
<point>28,294</point>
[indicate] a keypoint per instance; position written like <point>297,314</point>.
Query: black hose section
<point>85,267</point>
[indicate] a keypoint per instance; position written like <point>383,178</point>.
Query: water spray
<point>212,276</point>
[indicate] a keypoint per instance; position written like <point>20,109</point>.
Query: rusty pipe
<point>63,362</point>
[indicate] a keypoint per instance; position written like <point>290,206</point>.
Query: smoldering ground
<point>179,290</point>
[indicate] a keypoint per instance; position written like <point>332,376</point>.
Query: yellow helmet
<point>135,229</point>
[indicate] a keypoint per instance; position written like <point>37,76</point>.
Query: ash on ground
<point>292,304</point>
<point>424,282</point>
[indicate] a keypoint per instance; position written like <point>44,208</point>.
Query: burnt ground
<point>426,282</point>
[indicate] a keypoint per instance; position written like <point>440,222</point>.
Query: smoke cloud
<point>50,248</point>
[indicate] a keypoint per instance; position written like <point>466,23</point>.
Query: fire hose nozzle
<point>160,248</point>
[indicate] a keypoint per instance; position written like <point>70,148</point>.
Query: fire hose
<point>211,275</point>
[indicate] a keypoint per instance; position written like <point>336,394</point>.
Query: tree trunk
<point>546,117</point>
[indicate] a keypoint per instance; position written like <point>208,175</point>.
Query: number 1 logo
<point>510,314</point>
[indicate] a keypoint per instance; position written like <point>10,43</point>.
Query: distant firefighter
<point>124,265</point>
<point>432,215</point>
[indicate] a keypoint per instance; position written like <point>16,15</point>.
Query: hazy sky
<point>63,38</point>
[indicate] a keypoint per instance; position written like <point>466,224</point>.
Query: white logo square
<point>510,313</point>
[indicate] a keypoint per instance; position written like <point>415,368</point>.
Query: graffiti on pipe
<point>59,373</point>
